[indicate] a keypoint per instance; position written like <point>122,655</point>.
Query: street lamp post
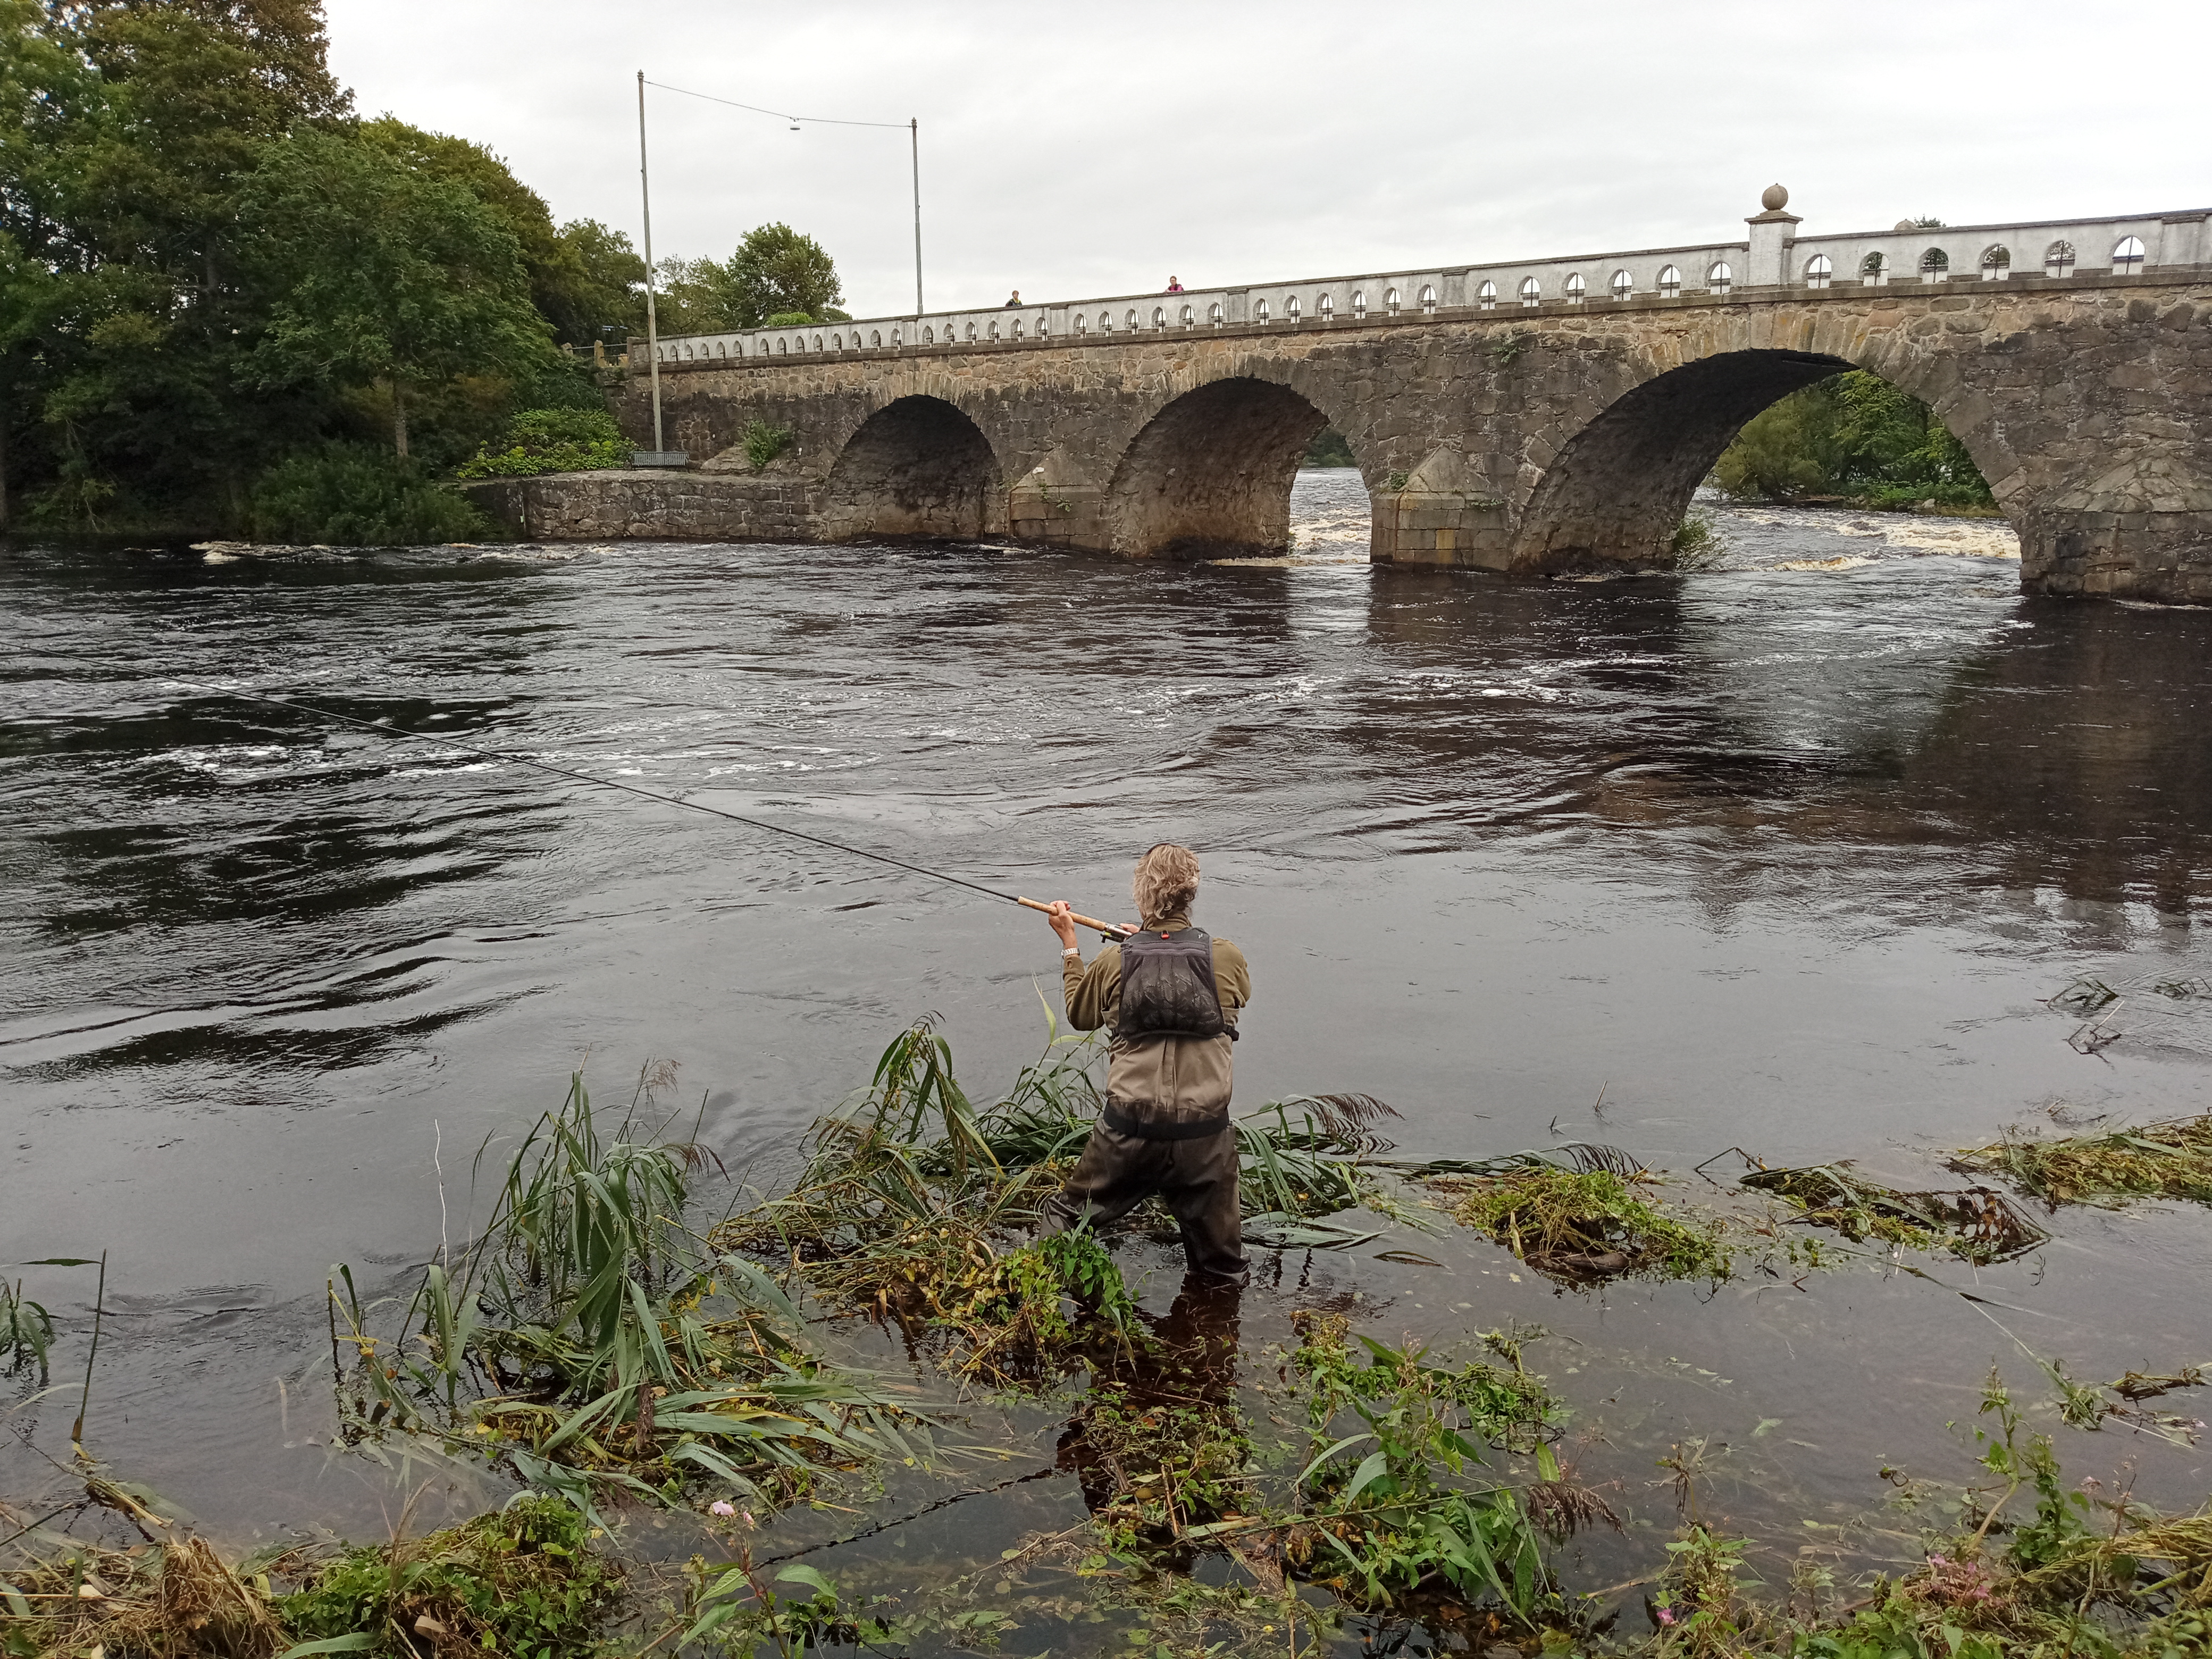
<point>652,324</point>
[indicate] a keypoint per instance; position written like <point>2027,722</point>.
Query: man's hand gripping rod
<point>1111,930</point>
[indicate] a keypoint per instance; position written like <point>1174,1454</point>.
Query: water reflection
<point>1182,1364</point>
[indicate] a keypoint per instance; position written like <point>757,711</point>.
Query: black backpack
<point>1168,987</point>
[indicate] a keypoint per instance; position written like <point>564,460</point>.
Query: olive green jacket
<point>1177,1086</point>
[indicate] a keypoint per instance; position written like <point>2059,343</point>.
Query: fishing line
<point>1107,930</point>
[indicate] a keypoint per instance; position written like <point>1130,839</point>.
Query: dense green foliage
<point>1328,448</point>
<point>776,278</point>
<point>521,1580</point>
<point>359,496</point>
<point>1855,436</point>
<point>211,273</point>
<point>551,440</point>
<point>376,269</point>
<point>763,442</point>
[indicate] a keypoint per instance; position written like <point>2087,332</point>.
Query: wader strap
<point>1121,1124</point>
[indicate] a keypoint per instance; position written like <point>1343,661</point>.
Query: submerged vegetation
<point>521,1580</point>
<point>1586,1224</point>
<point>1975,1224</point>
<point>2063,1580</point>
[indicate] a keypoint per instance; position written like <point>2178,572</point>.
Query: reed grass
<point>26,1331</point>
<point>591,1340</point>
<point>2168,1159</point>
<point>916,1204</point>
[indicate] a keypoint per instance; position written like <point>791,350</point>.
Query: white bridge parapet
<point>1772,257</point>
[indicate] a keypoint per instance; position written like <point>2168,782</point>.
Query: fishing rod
<point>1113,931</point>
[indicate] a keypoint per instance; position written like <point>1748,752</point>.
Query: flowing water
<point>1784,855</point>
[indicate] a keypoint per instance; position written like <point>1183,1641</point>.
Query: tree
<point>1787,451</point>
<point>1855,435</point>
<point>581,275</point>
<point>690,296</point>
<point>608,292</point>
<point>777,269</point>
<point>382,270</point>
<point>124,130</point>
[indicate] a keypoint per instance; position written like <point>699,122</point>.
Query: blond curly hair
<point>1166,881</point>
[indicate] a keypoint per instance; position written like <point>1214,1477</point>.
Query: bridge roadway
<point>1521,418</point>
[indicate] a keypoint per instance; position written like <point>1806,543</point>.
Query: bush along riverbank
<point>1856,441</point>
<point>626,1359</point>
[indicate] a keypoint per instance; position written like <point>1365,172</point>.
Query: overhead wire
<point>811,120</point>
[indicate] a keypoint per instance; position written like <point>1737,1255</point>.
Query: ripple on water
<point>1786,854</point>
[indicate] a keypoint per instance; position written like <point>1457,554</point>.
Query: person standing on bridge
<point>1175,284</point>
<point>1013,301</point>
<point>1171,996</point>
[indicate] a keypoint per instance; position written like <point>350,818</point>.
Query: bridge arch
<point>1618,483</point>
<point>1209,474</point>
<point>919,465</point>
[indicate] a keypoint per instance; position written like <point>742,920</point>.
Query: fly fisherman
<point>1171,996</point>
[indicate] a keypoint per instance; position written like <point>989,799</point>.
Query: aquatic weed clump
<point>1975,1225</point>
<point>523,1580</point>
<point>1153,1468</point>
<point>1588,1224</point>
<point>2061,1578</point>
<point>1398,1505</point>
<point>2168,1159</point>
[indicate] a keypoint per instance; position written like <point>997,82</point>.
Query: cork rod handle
<point>1112,930</point>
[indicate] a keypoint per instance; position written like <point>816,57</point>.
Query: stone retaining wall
<point>650,506</point>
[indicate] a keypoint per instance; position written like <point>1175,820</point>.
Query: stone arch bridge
<point>1531,418</point>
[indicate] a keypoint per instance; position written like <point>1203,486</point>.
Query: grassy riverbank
<point>686,1388</point>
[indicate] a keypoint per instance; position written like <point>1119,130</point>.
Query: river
<point>1785,855</point>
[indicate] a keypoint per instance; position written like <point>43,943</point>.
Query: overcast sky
<point>1077,151</point>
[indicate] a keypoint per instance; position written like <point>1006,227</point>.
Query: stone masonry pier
<point>1520,419</point>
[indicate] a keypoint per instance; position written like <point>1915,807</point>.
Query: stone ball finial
<point>1906,224</point>
<point>1774,198</point>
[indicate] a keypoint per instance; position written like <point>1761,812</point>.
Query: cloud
<point>1078,151</point>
